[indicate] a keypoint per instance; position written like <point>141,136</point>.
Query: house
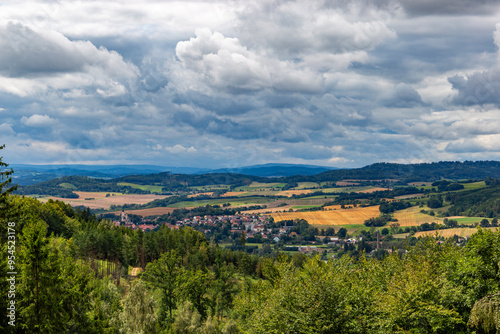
<point>308,249</point>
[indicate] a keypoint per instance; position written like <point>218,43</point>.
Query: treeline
<point>182,181</point>
<point>64,187</point>
<point>389,174</point>
<point>483,202</point>
<point>405,173</point>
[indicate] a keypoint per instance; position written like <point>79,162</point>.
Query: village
<point>255,227</point>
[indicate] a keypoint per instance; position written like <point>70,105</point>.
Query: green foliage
<point>485,314</point>
<point>484,202</point>
<point>138,316</point>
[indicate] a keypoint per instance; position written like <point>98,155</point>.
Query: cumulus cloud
<point>238,83</point>
<point>223,62</point>
<point>27,52</point>
<point>485,143</point>
<point>38,121</point>
<point>481,87</point>
<point>401,96</point>
<point>177,149</point>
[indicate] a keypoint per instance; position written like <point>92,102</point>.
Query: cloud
<point>449,7</point>
<point>401,96</point>
<point>38,121</point>
<point>177,149</point>
<point>480,87</point>
<point>236,83</point>
<point>6,129</point>
<point>223,62</point>
<point>485,143</point>
<point>28,52</point>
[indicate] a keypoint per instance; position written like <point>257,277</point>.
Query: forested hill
<point>169,182</point>
<point>412,172</point>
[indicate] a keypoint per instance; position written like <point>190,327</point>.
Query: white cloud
<point>223,62</point>
<point>178,149</point>
<point>6,129</point>
<point>38,121</point>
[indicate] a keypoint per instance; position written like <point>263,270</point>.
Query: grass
<point>151,189</point>
<point>258,185</point>
<point>469,220</point>
<point>475,185</point>
<point>305,206</point>
<point>66,185</point>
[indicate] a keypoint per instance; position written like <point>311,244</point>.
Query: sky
<point>226,84</point>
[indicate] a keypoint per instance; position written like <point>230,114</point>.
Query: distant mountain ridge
<point>267,173</point>
<point>276,170</point>
<point>31,174</point>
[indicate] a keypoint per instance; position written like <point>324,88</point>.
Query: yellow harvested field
<point>331,217</point>
<point>336,207</point>
<point>233,193</point>
<point>290,193</point>
<point>100,201</point>
<point>413,217</point>
<point>372,190</point>
<point>448,233</point>
<point>200,194</point>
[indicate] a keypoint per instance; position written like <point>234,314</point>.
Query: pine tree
<point>40,284</point>
<point>5,190</point>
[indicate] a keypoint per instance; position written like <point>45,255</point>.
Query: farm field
<point>333,217</point>
<point>304,185</point>
<point>148,212</point>
<point>413,217</point>
<point>100,201</point>
<point>468,220</point>
<point>474,185</point>
<point>151,189</point>
<point>244,201</point>
<point>448,233</point>
<point>290,193</point>
<point>257,185</point>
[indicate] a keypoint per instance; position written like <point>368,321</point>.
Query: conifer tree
<point>40,283</point>
<point>5,190</point>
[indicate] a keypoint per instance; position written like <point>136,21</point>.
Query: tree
<point>40,282</point>
<point>484,223</point>
<point>164,274</point>
<point>342,233</point>
<point>138,314</point>
<point>5,190</point>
